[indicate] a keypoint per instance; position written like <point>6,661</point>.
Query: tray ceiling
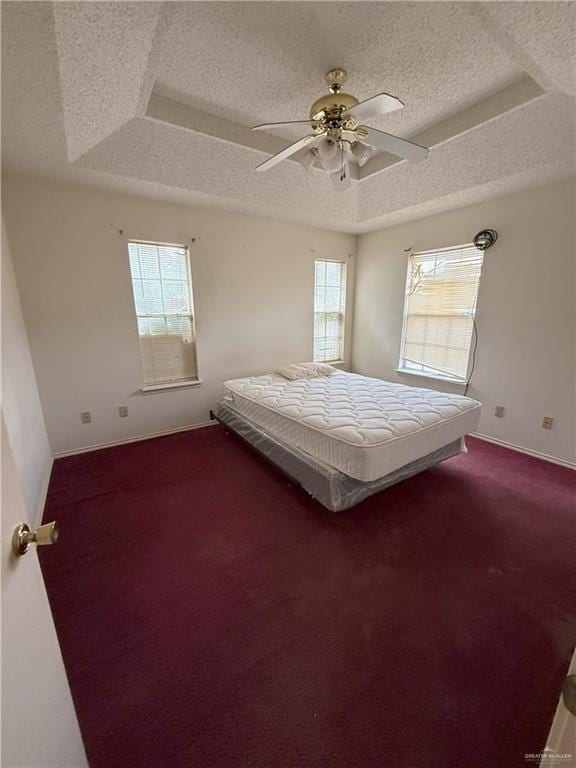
<point>157,99</point>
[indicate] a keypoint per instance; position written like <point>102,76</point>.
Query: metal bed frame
<point>332,488</point>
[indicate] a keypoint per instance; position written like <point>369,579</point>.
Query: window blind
<point>441,293</point>
<point>329,302</point>
<point>163,301</point>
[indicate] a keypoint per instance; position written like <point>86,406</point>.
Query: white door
<point>39,726</point>
<point>561,745</point>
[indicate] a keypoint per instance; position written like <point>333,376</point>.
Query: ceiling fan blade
<point>290,150</point>
<point>376,105</point>
<point>396,146</point>
<point>265,126</point>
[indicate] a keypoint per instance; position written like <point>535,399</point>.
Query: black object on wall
<point>485,239</point>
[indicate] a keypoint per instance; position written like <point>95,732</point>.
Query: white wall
<point>526,311</point>
<point>21,404</point>
<point>253,295</point>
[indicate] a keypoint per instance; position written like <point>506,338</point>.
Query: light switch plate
<point>86,417</point>
<point>547,422</point>
<point>122,410</point>
<point>499,411</point>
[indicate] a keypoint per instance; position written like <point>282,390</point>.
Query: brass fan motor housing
<point>326,112</point>
<point>332,105</point>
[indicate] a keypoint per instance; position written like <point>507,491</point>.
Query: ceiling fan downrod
<point>335,79</point>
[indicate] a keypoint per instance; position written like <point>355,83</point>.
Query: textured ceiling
<point>157,98</point>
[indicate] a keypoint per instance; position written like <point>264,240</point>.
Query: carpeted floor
<point>213,616</point>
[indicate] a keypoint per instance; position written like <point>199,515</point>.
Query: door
<point>39,726</point>
<point>561,745</point>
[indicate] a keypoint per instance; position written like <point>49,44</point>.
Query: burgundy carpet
<point>212,615</point>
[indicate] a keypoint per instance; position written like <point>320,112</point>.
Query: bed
<point>345,436</point>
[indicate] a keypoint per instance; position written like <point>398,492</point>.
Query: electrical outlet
<point>547,422</point>
<point>122,410</point>
<point>86,417</point>
<point>499,411</point>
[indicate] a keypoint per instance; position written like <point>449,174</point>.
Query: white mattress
<point>364,427</point>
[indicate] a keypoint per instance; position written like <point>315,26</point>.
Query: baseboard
<point>527,451</point>
<point>137,439</point>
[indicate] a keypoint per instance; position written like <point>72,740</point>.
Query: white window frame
<point>344,266</point>
<point>176,383</point>
<point>425,374</point>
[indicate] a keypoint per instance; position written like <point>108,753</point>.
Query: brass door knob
<point>23,537</point>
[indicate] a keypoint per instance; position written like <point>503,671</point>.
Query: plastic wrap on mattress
<point>329,486</point>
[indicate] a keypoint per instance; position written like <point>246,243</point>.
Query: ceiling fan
<point>338,137</point>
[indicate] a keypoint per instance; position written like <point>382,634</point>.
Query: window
<point>329,301</point>
<point>441,292</point>
<point>163,300</point>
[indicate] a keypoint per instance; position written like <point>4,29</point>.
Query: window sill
<point>421,375</point>
<point>151,388</point>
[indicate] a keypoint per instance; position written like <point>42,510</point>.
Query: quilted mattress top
<point>354,409</point>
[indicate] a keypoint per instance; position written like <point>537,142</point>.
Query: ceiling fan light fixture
<point>327,149</point>
<point>361,153</point>
<point>331,164</point>
<point>329,155</point>
<point>341,179</point>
